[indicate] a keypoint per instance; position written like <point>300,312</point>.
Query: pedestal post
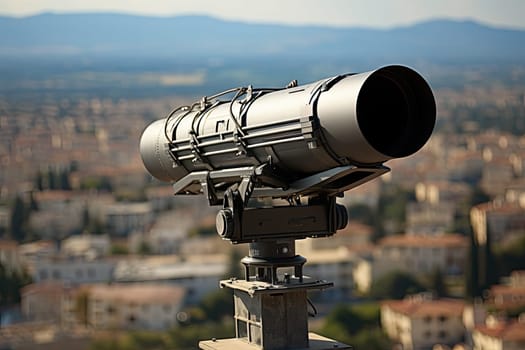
<point>271,309</point>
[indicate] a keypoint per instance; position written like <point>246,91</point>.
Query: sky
<point>339,13</point>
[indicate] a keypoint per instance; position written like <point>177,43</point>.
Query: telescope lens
<point>396,111</point>
<point>383,113</point>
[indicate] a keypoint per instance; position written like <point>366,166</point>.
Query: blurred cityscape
<point>96,254</point>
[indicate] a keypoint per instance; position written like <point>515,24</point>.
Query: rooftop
<point>139,293</point>
<point>444,240</point>
<point>417,308</point>
<point>512,331</point>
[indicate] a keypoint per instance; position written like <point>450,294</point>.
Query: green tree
<point>217,306</point>
<point>511,257</point>
<point>462,215</point>
<point>11,282</point>
<point>64,183</point>
<point>19,221</point>
<point>395,285</point>
<point>472,288</point>
<point>81,307</point>
<point>51,179</point>
<point>356,325</point>
<point>437,283</point>
<point>144,248</point>
<point>362,213</point>
<point>119,249</point>
<point>392,206</point>
<point>39,181</point>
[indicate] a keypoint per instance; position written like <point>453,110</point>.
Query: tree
<point>510,257</point>
<point>437,284</point>
<point>10,284</point>
<point>64,183</point>
<point>472,288</point>
<point>19,220</point>
<point>356,325</point>
<point>81,307</point>
<point>462,215</point>
<point>392,206</point>
<point>395,285</point>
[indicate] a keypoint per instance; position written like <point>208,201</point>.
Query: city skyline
<point>337,13</point>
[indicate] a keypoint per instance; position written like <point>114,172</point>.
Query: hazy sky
<point>369,13</point>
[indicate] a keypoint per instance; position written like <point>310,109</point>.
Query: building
<point>10,257</point>
<point>500,335</point>
<point>42,301</point>
<point>169,230</point>
<point>34,252</point>
<point>5,215</point>
<point>509,297</point>
<point>59,214</point>
<point>198,275</point>
<point>124,218</point>
<point>355,234</point>
<point>430,218</point>
<point>420,254</point>
<point>161,198</point>
<point>74,271</point>
<point>413,254</point>
<point>434,192</point>
<point>335,266</point>
<point>517,278</point>
<point>497,174</point>
<point>134,306</point>
<point>86,246</point>
<point>419,323</point>
<point>503,221</point>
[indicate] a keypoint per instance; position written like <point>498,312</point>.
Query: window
<point>442,318</point>
<point>442,334</point>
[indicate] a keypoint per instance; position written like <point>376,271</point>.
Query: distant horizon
<point>378,14</point>
<point>240,21</point>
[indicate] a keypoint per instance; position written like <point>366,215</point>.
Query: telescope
<point>276,159</point>
<point>304,144</point>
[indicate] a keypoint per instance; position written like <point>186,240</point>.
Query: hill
<point>198,36</point>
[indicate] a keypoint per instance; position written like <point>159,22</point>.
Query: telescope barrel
<point>357,119</point>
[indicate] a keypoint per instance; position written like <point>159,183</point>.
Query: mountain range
<point>194,37</point>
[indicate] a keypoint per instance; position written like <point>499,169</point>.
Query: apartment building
<point>500,335</point>
<point>42,301</point>
<point>510,296</point>
<point>73,271</point>
<point>503,221</point>
<point>134,306</point>
<point>124,218</point>
<point>86,246</point>
<point>414,254</point>
<point>198,275</point>
<point>419,323</point>
<point>10,257</point>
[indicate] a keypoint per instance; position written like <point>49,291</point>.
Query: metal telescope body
<point>312,141</point>
<point>301,146</point>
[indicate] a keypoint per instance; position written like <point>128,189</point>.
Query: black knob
<point>341,216</point>
<point>224,223</point>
